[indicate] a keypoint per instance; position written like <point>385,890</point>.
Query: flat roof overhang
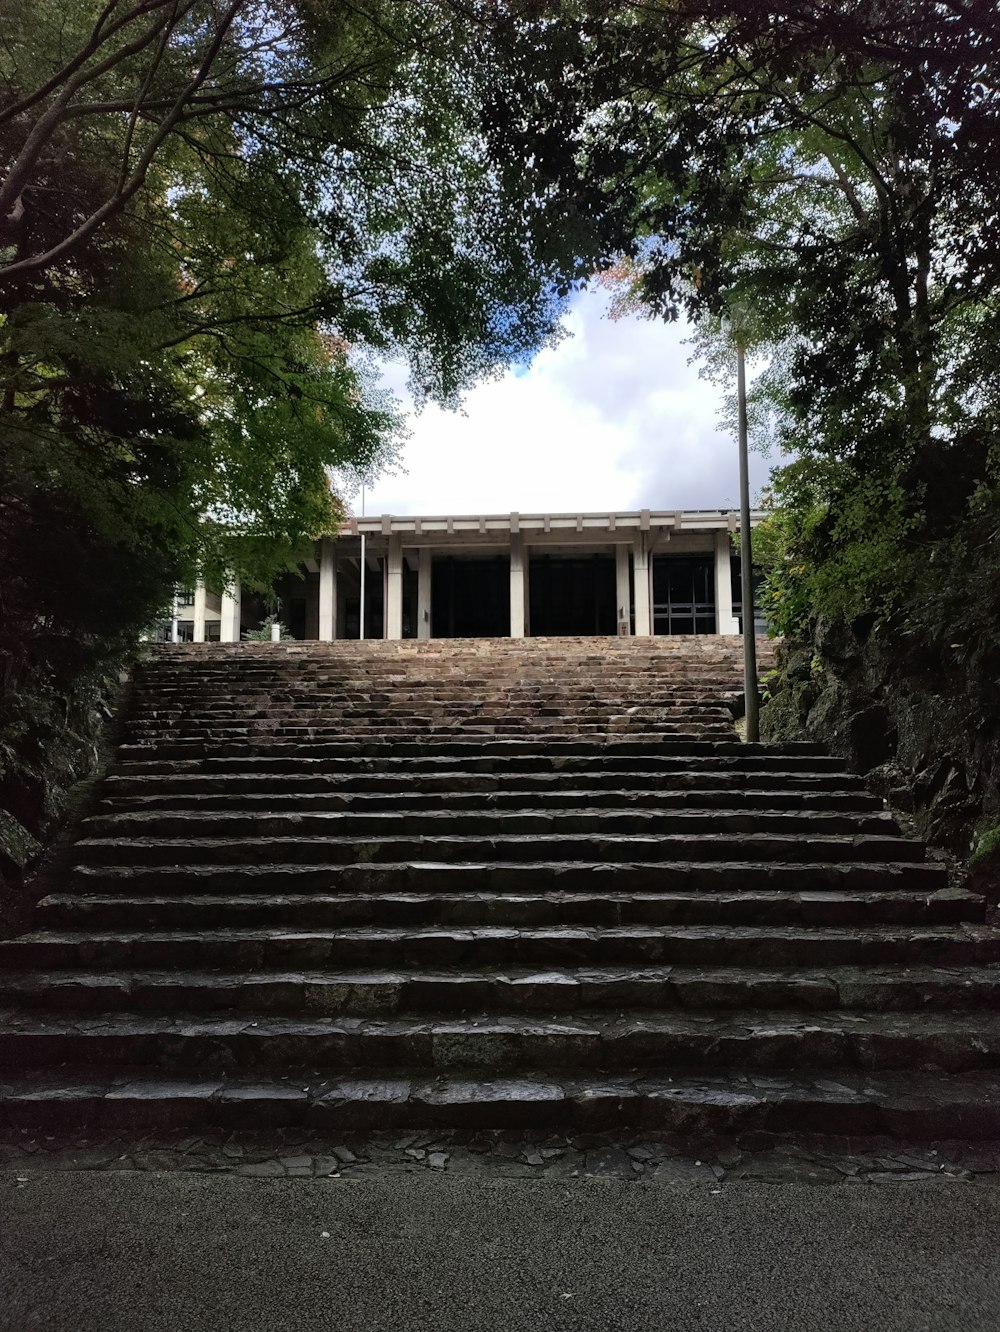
<point>603,527</point>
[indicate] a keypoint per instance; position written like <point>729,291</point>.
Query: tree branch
<point>48,123</point>
<point>117,201</point>
<point>98,37</point>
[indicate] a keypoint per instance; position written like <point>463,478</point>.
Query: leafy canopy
<point>214,216</point>
<point>824,173</point>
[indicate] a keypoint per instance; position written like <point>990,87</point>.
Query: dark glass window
<point>683,594</point>
<point>470,598</point>
<point>570,596</point>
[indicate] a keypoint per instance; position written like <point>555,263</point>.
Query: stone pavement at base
<point>667,1159</point>
<point>179,1252</point>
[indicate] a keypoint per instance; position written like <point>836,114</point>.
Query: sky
<point>613,418</point>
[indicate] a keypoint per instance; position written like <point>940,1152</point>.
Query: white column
<point>363,578</point>
<point>394,588</point>
<point>424,566</point>
<point>623,592</point>
<point>229,629</point>
<point>340,608</point>
<point>725,622</point>
<point>327,591</point>
<point>641,578</point>
<point>385,595</point>
<point>518,584</point>
<point>199,612</point>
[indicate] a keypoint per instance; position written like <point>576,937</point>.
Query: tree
<point>826,169</point>
<point>215,215</point>
<point>212,217</point>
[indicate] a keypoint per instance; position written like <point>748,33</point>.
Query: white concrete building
<point>498,575</point>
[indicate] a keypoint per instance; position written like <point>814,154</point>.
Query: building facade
<point>510,575</point>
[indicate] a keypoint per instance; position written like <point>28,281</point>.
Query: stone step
<point>523,679</point>
<point>545,667</point>
<point>541,667</point>
<point>562,646</point>
<point>337,734</point>
<point>375,993</point>
<point>314,910</point>
<point>508,877</point>
<point>640,696</point>
<point>521,722</point>
<point>483,823</point>
<point>427,705</point>
<point>681,786</point>
<point>483,794</point>
<point>422,747</point>
<point>429,712</point>
<point>309,708</point>
<point>444,727</point>
<point>500,705</point>
<point>483,946</point>
<point>472,760</point>
<point>924,1107</point>
<point>608,847</point>
<point>176,742</point>
<point>501,1043</point>
<point>514,751</point>
<point>519,750</point>
<point>455,655</point>
<point>282,704</point>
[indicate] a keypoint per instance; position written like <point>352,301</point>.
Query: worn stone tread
<point>509,909</point>
<point>549,748</point>
<point>482,823</point>
<point>372,992</point>
<point>496,1042</point>
<point>675,782</point>
<point>741,906</point>
<point>512,876</point>
<point>893,1104</point>
<point>552,846</point>
<point>389,762</point>
<point>735,945</point>
<point>502,796</point>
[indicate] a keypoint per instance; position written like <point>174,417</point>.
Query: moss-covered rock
<point>923,725</point>
<point>780,717</point>
<point>984,864</point>
<point>52,742</point>
<point>17,846</point>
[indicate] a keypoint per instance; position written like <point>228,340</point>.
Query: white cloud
<point>613,418</point>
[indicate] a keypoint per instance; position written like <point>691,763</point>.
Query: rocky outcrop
<point>921,725</point>
<point>53,743</point>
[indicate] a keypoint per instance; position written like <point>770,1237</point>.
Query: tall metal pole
<point>364,562</point>
<point>746,558</point>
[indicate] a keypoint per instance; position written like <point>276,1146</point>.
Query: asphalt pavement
<point>97,1251</point>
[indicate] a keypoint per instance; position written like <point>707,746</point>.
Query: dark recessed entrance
<point>470,598</point>
<point>374,601</point>
<point>736,576</point>
<point>572,596</point>
<point>683,594</point>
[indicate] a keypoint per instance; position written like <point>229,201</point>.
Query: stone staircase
<point>491,884</point>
